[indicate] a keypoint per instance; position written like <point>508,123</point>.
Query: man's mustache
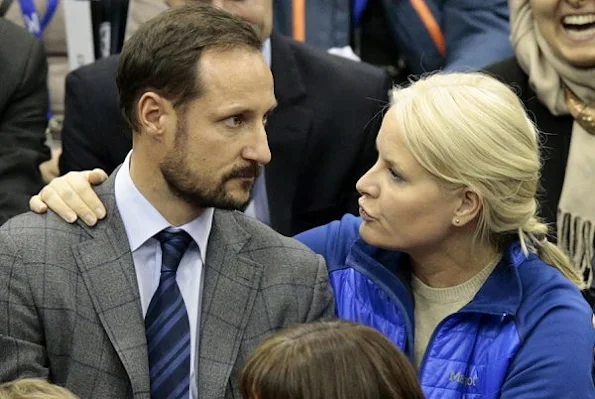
<point>252,170</point>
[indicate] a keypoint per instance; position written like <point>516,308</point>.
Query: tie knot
<point>173,246</point>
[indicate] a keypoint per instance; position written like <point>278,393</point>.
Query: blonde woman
<point>448,259</point>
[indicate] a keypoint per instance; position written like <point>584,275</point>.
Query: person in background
<point>23,117</point>
<point>54,40</point>
<point>553,71</point>
<point>321,134</point>
<point>329,360</point>
<point>33,388</point>
<point>53,35</point>
<point>405,37</point>
<point>449,223</point>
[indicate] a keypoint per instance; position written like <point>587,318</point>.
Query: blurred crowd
<point>433,161</point>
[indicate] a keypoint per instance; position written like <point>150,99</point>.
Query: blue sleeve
<point>332,240</point>
<point>476,33</point>
<point>555,359</point>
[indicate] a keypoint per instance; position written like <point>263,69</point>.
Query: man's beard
<point>186,185</point>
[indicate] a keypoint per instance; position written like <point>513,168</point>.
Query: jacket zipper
<point>422,366</point>
<point>398,304</point>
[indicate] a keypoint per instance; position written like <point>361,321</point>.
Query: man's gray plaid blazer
<point>70,308</point>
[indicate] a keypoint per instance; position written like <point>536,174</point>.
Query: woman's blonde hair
<point>33,388</point>
<point>470,130</point>
<point>329,360</point>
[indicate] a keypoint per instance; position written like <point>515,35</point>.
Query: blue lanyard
<point>32,21</point>
<point>35,26</point>
<point>359,6</point>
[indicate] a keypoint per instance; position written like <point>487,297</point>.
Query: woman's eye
<point>395,176</point>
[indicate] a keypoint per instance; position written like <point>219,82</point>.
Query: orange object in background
<point>431,24</point>
<point>299,20</point>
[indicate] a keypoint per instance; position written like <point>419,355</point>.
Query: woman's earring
<point>457,221</point>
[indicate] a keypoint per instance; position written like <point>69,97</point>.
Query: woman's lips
<point>365,215</point>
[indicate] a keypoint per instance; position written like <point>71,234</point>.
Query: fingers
<point>37,205</point>
<point>72,196</point>
<point>96,176</point>
<point>53,201</point>
<point>81,198</point>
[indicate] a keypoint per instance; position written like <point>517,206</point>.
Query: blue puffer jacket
<point>528,332</point>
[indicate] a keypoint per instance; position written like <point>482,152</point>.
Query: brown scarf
<point>564,90</point>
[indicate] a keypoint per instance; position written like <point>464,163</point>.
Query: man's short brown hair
<point>163,55</point>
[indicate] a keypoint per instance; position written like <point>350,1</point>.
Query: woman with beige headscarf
<point>554,74</point>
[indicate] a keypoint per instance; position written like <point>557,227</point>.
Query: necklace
<point>583,114</point>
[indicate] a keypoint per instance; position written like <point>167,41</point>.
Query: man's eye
<point>235,121</point>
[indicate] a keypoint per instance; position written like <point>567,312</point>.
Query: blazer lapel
<point>288,129</point>
<point>231,281</point>
<point>107,269</point>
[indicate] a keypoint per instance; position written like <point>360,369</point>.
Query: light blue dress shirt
<point>142,221</point>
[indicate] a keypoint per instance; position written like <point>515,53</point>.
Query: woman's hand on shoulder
<point>71,196</point>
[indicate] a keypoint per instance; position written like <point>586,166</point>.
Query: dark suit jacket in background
<point>23,118</point>
<point>70,306</point>
<point>322,134</point>
<point>555,137</point>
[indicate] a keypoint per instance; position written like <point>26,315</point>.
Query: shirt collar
<point>142,221</point>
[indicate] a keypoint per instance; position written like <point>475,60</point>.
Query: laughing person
<point>554,72</point>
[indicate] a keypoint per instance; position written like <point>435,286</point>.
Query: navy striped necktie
<point>167,326</point>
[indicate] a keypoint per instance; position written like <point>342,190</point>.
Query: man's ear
<point>469,207</point>
<point>154,114</point>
